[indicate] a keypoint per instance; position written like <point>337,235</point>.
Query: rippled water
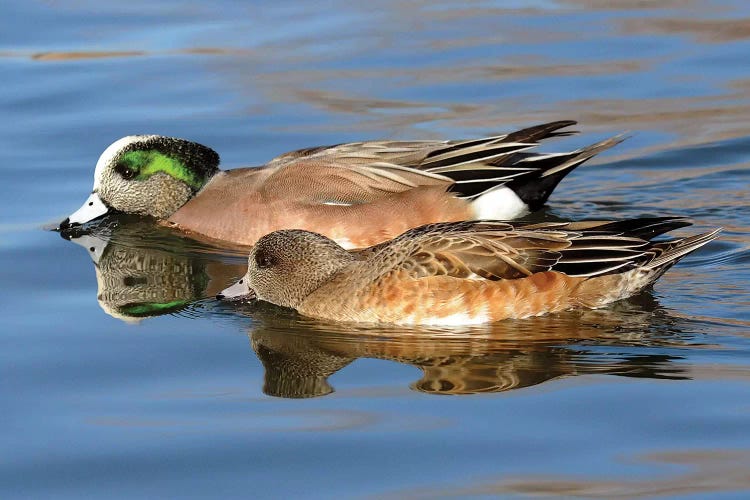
<point>125,379</point>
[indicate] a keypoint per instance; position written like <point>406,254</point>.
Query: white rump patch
<point>501,203</point>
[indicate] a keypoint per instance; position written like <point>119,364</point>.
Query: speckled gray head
<point>286,266</point>
<point>146,175</point>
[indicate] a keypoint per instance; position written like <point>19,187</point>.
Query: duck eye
<point>264,260</point>
<point>125,171</point>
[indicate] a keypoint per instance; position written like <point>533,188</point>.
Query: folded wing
<point>499,250</point>
<point>362,172</point>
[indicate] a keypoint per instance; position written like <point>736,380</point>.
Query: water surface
<point>122,377</point>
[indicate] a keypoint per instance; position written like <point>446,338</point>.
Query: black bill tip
<point>66,224</point>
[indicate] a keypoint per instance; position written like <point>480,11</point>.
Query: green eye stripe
<point>142,309</point>
<point>148,163</point>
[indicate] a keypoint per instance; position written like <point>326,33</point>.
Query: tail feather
<point>535,188</point>
<point>581,155</point>
<point>493,146</point>
<point>598,248</point>
<point>670,252</point>
<point>467,158</point>
<point>479,165</point>
<point>543,131</point>
<point>645,228</point>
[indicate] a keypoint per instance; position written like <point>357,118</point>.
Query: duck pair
<point>404,207</point>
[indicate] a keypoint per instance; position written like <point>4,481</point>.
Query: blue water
<point>649,397</point>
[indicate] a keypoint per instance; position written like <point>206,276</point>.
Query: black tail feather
<point>481,165</point>
<point>540,132</point>
<point>536,187</point>
<point>647,227</point>
<point>597,254</point>
<point>535,191</point>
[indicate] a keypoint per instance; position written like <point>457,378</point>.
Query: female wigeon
<point>358,194</point>
<point>459,273</point>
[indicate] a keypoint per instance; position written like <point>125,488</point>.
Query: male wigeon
<point>358,194</point>
<point>459,273</point>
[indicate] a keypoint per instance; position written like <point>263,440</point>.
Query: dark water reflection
<point>299,358</point>
<point>145,270</point>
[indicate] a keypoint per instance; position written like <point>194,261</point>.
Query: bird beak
<point>91,209</point>
<point>238,291</point>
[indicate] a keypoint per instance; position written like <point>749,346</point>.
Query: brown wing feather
<point>490,160</point>
<point>404,153</point>
<point>429,153</point>
<point>501,250</point>
<point>475,250</point>
<point>318,181</point>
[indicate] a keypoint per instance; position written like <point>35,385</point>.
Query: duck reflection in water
<point>299,355</point>
<point>143,270</point>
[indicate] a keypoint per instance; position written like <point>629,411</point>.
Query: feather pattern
<point>506,250</point>
<point>468,168</point>
<point>342,191</point>
<point>466,272</point>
